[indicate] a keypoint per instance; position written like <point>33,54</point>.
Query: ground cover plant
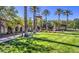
<point>43,42</point>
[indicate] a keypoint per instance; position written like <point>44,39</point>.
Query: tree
<point>11,12</point>
<point>46,12</point>
<point>44,24</point>
<point>71,24</point>
<point>59,12</point>
<point>13,23</point>
<point>19,24</point>
<point>34,9</point>
<point>50,25</point>
<point>8,13</point>
<point>30,24</point>
<point>56,24</point>
<point>10,24</point>
<point>25,19</point>
<point>76,23</point>
<point>2,17</point>
<point>67,13</point>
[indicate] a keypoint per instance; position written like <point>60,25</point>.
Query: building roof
<point>39,17</point>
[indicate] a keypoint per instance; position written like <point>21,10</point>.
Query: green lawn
<point>60,42</point>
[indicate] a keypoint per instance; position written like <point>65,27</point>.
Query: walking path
<point>4,39</point>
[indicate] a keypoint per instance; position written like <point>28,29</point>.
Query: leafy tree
<point>30,23</point>
<point>44,22</point>
<point>8,13</point>
<point>12,24</point>
<point>76,23</point>
<point>39,22</point>
<point>50,25</point>
<point>71,24</point>
<point>11,12</point>
<point>56,24</point>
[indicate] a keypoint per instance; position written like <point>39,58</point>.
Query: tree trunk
<point>67,22</point>
<point>59,21</point>
<point>59,17</point>
<point>34,18</point>
<point>46,23</point>
<point>25,18</point>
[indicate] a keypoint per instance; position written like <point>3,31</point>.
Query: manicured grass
<point>62,42</point>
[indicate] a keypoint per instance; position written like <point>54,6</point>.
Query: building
<point>38,23</point>
<point>4,29</point>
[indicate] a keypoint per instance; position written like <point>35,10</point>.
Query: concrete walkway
<point>4,39</point>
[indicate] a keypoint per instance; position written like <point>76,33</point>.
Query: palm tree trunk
<point>25,18</point>
<point>67,19</point>
<point>58,21</point>
<point>34,18</point>
<point>46,23</point>
<point>59,17</point>
<point>41,24</point>
<point>67,22</point>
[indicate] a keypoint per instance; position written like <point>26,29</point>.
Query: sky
<point>52,9</point>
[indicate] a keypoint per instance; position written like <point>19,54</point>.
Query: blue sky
<point>52,9</point>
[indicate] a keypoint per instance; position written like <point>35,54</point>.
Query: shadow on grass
<point>72,33</point>
<point>43,39</point>
<point>29,45</point>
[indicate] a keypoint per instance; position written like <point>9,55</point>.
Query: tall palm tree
<point>34,10</point>
<point>58,12</point>
<point>46,12</point>
<point>25,18</point>
<point>67,13</point>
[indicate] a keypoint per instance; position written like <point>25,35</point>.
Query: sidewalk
<point>4,39</point>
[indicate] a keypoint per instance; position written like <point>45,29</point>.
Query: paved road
<point>4,39</point>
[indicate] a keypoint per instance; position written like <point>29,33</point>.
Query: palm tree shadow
<point>30,46</point>
<point>43,39</point>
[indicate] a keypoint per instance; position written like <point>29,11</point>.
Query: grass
<point>43,42</point>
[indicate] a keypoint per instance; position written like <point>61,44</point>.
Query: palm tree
<point>46,12</point>
<point>25,19</point>
<point>34,10</point>
<point>58,12</point>
<point>67,13</point>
